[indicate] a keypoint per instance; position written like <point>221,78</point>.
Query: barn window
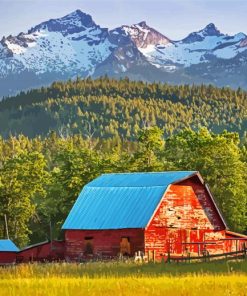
<point>125,246</point>
<point>88,245</point>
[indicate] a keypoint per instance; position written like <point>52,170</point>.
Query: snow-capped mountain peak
<point>143,35</point>
<point>210,30</point>
<point>142,24</point>
<point>74,22</point>
<point>71,44</point>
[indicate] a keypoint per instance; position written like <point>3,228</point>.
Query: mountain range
<point>75,46</point>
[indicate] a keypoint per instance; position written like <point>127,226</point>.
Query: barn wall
<point>185,215</point>
<point>46,251</point>
<point>7,257</point>
<point>105,242</point>
<point>235,242</point>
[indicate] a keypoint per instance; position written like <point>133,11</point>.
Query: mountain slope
<point>75,45</point>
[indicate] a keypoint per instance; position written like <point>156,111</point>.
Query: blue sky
<point>173,18</point>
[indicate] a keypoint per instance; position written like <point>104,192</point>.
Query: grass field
<point>221,278</point>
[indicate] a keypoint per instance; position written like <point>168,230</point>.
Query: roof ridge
<point>163,172</point>
<point>124,186</point>
<point>35,245</point>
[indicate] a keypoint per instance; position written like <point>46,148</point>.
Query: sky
<point>174,18</point>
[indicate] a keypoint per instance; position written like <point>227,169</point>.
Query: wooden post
<point>50,237</point>
<point>243,249</point>
<point>169,251</point>
<point>189,257</point>
<point>6,226</point>
<point>169,257</point>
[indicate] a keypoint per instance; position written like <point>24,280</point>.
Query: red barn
<point>155,213</point>
<point>8,251</point>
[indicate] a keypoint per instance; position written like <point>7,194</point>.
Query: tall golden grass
<point>225,278</point>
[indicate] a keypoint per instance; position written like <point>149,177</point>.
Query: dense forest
<point>107,108</point>
<point>40,178</point>
<point>56,139</point>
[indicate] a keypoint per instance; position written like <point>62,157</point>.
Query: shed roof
<point>6,245</point>
<point>117,201</point>
<point>35,245</point>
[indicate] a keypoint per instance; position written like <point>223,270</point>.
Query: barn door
<point>125,246</point>
<point>194,242</point>
<point>174,245</point>
<point>88,245</point>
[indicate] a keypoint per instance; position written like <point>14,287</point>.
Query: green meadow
<point>125,278</point>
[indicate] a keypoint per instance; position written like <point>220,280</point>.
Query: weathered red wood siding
<point>186,215</point>
<point>105,242</point>
<point>7,257</point>
<point>234,242</point>
<point>46,251</point>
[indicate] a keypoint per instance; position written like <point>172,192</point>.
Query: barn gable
<point>189,204</point>
<point>118,201</point>
<point>186,218</point>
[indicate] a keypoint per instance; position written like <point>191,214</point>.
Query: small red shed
<point>42,252</point>
<point>8,251</point>
<point>155,213</point>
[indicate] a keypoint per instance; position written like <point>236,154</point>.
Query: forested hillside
<point>56,139</point>
<point>106,108</point>
<point>41,178</point>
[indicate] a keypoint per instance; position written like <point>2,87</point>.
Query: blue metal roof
<point>6,245</point>
<point>116,201</point>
